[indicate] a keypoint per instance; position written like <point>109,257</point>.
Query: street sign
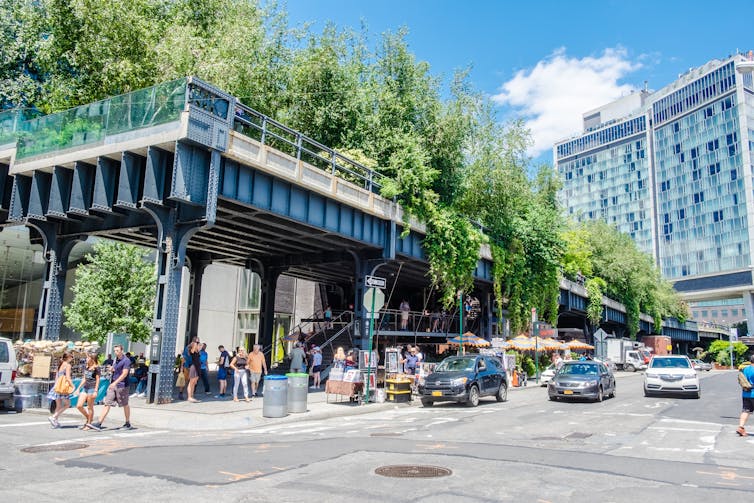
<point>374,294</point>
<point>600,335</point>
<point>375,282</point>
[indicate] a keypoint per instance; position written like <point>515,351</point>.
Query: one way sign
<point>375,282</point>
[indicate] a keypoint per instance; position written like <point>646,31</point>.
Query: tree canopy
<point>113,293</point>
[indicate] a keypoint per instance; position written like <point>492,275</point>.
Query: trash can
<point>298,389</point>
<point>275,402</point>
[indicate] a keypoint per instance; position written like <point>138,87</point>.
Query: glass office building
<point>673,168</point>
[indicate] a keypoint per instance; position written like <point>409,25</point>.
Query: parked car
<point>700,365</point>
<point>582,379</point>
<point>547,374</point>
<point>465,379</point>
<point>671,374</point>
<point>8,368</point>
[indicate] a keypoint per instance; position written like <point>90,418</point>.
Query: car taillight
<point>13,376</point>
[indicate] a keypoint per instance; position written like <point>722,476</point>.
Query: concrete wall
<point>217,315</point>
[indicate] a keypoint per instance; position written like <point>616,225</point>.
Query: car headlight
<point>459,382</point>
<point>690,378</point>
<point>586,384</point>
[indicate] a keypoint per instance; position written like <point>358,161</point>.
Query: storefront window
<point>250,290</point>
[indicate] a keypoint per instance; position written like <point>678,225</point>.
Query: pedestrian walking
<point>257,366</point>
<point>117,391</point>
<point>747,396</point>
<point>87,390</point>
<point>223,364</point>
<point>298,358</point>
<point>328,317</point>
<point>238,364</point>
<point>203,358</point>
<point>62,391</point>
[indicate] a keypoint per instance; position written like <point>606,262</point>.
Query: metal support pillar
<point>57,251</point>
<point>269,277</point>
<point>198,265</point>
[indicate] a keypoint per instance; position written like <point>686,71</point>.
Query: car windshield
<point>678,363</point>
<point>578,369</point>
<point>456,365</point>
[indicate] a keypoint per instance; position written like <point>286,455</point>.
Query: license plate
<point>568,392</point>
<point>437,393</point>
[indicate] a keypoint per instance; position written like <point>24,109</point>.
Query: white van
<point>8,368</point>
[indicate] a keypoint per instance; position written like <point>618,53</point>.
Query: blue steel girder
<point>6,187</point>
<point>262,191</point>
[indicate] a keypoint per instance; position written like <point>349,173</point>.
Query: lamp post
<point>460,319</point>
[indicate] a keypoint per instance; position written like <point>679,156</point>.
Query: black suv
<point>465,379</point>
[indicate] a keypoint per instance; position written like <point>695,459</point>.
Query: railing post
<point>298,146</point>
<point>332,161</point>
<point>264,129</point>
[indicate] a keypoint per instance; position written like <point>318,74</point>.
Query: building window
<point>714,168</point>
<point>717,216</point>
<point>704,314</point>
<point>698,197</point>
<point>733,174</point>
<point>734,312</point>
<point>714,314</point>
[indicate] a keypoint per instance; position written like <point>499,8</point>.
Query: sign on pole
<point>379,299</point>
<point>375,282</point>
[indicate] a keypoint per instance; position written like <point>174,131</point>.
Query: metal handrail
<point>339,165</point>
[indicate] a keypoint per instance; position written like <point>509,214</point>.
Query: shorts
<point>117,396</point>
<point>88,391</point>
<point>748,404</point>
<point>317,368</point>
<point>255,377</point>
<point>222,374</point>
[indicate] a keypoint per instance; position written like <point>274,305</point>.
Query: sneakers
<point>54,422</point>
<point>741,431</point>
<point>141,395</point>
<point>95,426</point>
<point>133,395</point>
<point>126,426</point>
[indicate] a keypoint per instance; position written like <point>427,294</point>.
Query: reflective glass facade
<point>676,178</point>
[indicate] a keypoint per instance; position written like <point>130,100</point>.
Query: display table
<point>343,388</point>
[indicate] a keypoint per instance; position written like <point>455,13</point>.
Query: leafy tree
<point>719,351</point>
<point>114,292</point>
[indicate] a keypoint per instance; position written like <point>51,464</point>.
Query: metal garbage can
<point>298,389</point>
<point>275,402</point>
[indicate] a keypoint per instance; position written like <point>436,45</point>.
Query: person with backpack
<point>223,365</point>
<point>746,380</point>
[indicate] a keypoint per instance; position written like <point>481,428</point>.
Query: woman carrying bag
<point>62,391</point>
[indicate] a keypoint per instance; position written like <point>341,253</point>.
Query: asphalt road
<point>629,448</point>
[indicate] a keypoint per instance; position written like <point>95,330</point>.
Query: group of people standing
<point>242,367</point>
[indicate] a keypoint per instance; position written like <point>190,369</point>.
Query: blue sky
<point>550,61</point>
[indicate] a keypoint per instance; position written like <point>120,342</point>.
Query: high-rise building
<point>673,168</point>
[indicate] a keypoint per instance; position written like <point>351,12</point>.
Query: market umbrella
<point>469,339</point>
<point>551,344</point>
<point>574,344</point>
<point>522,344</point>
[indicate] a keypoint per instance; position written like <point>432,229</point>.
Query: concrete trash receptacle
<point>298,389</point>
<point>275,402</point>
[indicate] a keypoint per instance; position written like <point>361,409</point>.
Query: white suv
<point>671,374</point>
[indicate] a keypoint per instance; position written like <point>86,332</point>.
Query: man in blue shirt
<point>203,357</point>
<point>747,396</point>
<point>117,392</point>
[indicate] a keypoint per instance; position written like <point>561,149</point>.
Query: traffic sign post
<point>375,299</point>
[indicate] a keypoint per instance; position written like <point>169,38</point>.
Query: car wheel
<point>646,393</point>
<point>427,403</point>
<point>698,395</point>
<point>630,368</point>
<point>473,400</point>
<point>612,393</point>
<point>502,393</point>
<point>600,395</point>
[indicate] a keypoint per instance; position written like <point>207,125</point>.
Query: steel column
<point>57,251</point>
<point>269,277</point>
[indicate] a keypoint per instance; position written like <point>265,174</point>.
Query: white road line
<point>665,428</point>
<point>685,421</point>
<point>36,423</point>
<point>139,433</point>
<point>310,430</point>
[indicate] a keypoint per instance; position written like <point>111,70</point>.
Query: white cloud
<point>553,95</point>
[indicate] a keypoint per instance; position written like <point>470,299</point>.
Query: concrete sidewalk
<point>214,414</point>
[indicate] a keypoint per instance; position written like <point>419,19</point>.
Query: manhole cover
<point>385,434</point>
<point>412,471</point>
<point>71,446</point>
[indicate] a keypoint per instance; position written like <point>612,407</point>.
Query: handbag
<point>63,386</point>
<point>181,380</point>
